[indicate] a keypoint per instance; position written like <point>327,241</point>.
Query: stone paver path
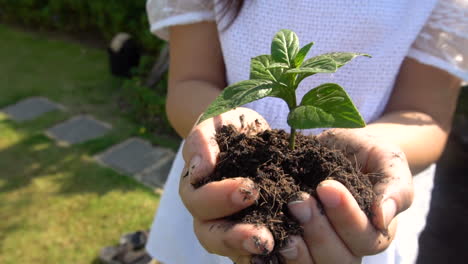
<point>30,108</point>
<point>137,157</point>
<point>77,130</point>
<point>156,175</point>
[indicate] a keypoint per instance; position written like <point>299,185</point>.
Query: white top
<point>385,29</point>
<point>431,32</point>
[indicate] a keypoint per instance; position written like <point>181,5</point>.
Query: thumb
<point>201,150</point>
<point>394,190</point>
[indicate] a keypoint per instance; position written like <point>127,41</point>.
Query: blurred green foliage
<point>462,108</point>
<point>147,105</point>
<point>104,17</point>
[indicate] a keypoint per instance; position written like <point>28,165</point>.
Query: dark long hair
<point>230,9</point>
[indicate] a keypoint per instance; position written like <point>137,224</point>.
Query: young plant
<point>279,75</point>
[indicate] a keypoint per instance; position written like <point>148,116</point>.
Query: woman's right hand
<point>212,202</point>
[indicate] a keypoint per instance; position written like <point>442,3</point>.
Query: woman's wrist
<point>186,101</point>
<point>418,135</point>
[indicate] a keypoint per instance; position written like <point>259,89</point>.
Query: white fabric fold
<point>165,13</point>
<point>443,41</point>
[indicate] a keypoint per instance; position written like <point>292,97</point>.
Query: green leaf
<point>302,54</point>
<point>340,58</point>
<point>325,65</point>
<point>261,68</point>
<point>327,105</point>
<point>278,65</point>
<point>284,47</point>
<point>239,94</point>
<point>308,116</point>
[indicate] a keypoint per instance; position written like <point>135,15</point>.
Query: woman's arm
<point>196,73</point>
<point>417,120</point>
<point>419,113</point>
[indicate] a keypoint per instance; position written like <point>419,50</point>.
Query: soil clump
<point>280,174</point>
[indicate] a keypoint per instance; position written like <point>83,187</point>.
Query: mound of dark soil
<point>280,174</point>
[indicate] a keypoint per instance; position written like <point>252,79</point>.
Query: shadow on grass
<point>37,156</point>
<point>34,167</point>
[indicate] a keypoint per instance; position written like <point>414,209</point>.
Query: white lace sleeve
<point>165,13</point>
<point>443,42</point>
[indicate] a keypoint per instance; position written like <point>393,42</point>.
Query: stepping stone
<point>137,157</point>
<point>77,130</point>
<point>31,108</point>
<point>156,175</point>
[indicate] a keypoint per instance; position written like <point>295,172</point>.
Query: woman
<point>406,93</point>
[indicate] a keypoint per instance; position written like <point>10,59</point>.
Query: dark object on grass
<point>131,250</point>
<point>137,239</point>
<point>124,54</point>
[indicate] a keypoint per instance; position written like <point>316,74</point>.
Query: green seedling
<point>279,75</point>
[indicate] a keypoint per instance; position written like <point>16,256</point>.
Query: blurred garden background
<point>58,203</point>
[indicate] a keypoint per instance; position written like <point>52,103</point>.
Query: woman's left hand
<point>344,234</point>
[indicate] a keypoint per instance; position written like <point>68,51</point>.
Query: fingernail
<point>300,210</point>
<point>290,252</point>
<point>185,172</point>
<point>244,194</point>
<point>255,245</point>
<point>193,164</point>
<point>328,196</point>
<point>388,211</point>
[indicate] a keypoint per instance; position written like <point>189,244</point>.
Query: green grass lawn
<point>56,204</point>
